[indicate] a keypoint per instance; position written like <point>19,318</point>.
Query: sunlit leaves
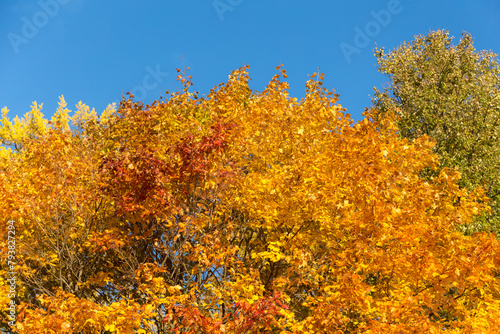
<point>449,92</point>
<point>243,212</point>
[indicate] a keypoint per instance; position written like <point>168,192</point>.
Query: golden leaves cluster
<point>242,211</point>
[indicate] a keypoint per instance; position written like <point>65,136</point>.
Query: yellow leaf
<point>110,328</point>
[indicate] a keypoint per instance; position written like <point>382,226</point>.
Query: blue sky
<point>94,50</point>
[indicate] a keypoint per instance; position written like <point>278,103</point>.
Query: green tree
<point>451,93</point>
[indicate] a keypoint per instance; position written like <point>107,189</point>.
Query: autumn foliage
<point>239,212</point>
<point>449,92</point>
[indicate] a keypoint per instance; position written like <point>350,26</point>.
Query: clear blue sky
<point>95,50</point>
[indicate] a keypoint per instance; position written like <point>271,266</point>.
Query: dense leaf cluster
<point>452,94</point>
<point>238,212</point>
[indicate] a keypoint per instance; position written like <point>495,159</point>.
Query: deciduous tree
<point>240,212</point>
<point>449,92</point>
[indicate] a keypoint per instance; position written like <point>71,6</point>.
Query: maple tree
<point>239,212</point>
<point>449,92</point>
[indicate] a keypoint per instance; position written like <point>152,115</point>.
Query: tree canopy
<point>238,212</point>
<point>452,94</point>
